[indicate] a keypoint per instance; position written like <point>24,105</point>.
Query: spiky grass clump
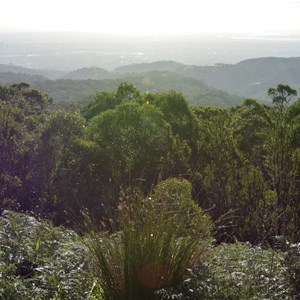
<point>158,238</point>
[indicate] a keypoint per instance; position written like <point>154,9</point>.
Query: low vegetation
<point>155,241</point>
<point>39,261</point>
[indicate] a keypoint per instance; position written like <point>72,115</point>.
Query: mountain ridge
<point>249,78</point>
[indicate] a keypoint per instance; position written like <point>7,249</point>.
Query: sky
<point>152,16</point>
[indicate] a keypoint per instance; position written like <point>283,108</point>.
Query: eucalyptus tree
<point>282,162</point>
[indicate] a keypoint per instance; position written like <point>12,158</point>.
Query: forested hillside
<point>242,161</point>
<point>152,186</point>
<point>80,86</point>
<point>87,73</point>
<point>12,77</point>
<point>49,74</point>
<point>221,85</point>
<point>196,92</point>
<point>171,66</point>
<point>248,78</point>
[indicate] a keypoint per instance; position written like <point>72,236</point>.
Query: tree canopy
<point>243,163</point>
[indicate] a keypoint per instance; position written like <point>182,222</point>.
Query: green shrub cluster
<point>237,271</point>
<point>154,241</point>
<point>39,261</point>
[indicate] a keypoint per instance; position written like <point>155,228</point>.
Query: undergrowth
<point>39,261</point>
<point>154,241</point>
<point>154,252</point>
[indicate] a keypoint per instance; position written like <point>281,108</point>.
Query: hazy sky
<point>151,16</point>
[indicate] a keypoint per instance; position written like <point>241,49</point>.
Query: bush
<point>38,261</point>
<point>153,243</point>
<point>236,271</point>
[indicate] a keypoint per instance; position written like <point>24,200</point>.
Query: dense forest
<point>237,168</point>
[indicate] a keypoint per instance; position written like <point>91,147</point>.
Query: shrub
<point>39,261</point>
<point>236,271</point>
<point>158,238</point>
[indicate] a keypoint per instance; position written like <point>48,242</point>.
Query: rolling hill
<point>49,74</point>
<point>196,92</point>
<point>248,78</point>
<point>202,85</point>
<point>87,73</point>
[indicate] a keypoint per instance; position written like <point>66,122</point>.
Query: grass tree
<point>154,241</point>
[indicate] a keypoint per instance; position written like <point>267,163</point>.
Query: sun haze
<point>151,16</point>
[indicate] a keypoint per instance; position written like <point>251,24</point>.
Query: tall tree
<point>22,111</point>
<point>282,163</point>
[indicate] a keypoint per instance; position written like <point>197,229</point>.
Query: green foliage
<point>247,168</point>
<point>219,164</point>
<point>22,110</point>
<point>246,272</point>
<point>205,113</point>
<point>236,271</point>
<point>66,91</point>
<point>135,140</point>
<point>251,125</point>
<point>102,102</point>
<point>155,240</point>
<point>38,261</point>
<point>281,95</point>
<point>292,262</point>
<point>293,115</point>
<point>243,162</point>
<point>177,113</point>
<point>52,156</point>
<point>133,143</point>
<point>126,92</point>
<point>21,95</point>
<point>282,164</point>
